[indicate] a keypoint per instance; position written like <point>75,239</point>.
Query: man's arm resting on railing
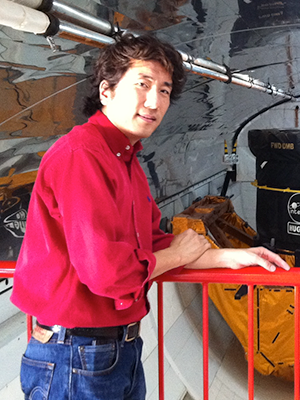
<point>195,252</point>
<point>239,258</point>
<point>185,248</point>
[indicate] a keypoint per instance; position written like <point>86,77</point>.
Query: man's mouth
<point>147,118</point>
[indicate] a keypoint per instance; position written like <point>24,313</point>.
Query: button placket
<point>135,224</point>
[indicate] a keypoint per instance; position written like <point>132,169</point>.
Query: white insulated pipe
<point>29,3</point>
<point>71,14</point>
<point>23,18</point>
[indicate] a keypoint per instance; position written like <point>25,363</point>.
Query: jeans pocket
<point>36,377</point>
<point>98,359</point>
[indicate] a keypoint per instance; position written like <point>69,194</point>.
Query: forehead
<point>152,70</point>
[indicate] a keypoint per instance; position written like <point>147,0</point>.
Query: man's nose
<point>152,98</point>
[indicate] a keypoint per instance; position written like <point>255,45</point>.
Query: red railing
<point>246,276</point>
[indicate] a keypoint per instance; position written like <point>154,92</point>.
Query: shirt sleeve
<point>162,240</point>
<point>84,203</point>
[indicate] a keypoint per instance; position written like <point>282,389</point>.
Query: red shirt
<point>91,231</point>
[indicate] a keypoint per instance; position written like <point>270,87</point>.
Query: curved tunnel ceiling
<point>42,91</point>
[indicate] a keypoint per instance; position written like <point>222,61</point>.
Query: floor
<point>12,391</point>
<point>187,397</point>
<point>231,380</point>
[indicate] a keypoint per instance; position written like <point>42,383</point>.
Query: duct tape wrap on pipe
<point>23,18</point>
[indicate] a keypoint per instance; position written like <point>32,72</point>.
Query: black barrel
<point>277,155</point>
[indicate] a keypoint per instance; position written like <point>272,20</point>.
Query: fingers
<point>189,246</point>
<point>206,244</point>
<point>188,237</point>
<point>265,264</point>
<point>269,260</point>
<point>254,256</point>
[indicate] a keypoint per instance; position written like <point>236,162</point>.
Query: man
<point>93,242</point>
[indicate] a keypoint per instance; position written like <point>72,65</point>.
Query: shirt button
<point>137,234</point>
<point>127,147</point>
<point>118,154</point>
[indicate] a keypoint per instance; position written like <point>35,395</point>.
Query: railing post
<point>160,316</point>
<point>205,333</point>
<point>29,326</point>
<point>250,343</point>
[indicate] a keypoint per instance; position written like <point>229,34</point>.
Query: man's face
<point>140,100</point>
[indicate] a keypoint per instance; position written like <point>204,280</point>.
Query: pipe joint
<point>45,6</point>
<point>53,27</point>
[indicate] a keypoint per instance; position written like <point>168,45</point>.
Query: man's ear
<point>104,92</point>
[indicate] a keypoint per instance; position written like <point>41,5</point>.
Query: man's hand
<point>240,258</point>
<point>185,248</point>
<point>259,256</point>
<point>189,246</point>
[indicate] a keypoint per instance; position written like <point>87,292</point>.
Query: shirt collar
<point>116,140</point>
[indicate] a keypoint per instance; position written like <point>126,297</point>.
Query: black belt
<point>131,331</point>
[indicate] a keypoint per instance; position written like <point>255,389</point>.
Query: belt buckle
<point>135,333</point>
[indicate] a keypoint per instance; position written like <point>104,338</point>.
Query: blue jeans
<point>81,368</point>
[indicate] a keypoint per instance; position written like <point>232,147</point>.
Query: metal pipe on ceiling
<point>27,19</point>
<point>84,19</point>
<point>72,32</point>
<point>201,62</point>
<point>227,75</point>
<point>71,14</point>
<point>102,36</point>
<point>224,78</point>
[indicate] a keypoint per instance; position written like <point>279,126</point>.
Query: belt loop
<point>125,329</point>
<point>61,335</point>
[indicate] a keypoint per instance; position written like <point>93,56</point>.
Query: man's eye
<point>165,91</point>
<point>142,84</point>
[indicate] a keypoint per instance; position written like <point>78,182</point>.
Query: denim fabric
<point>82,368</point>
